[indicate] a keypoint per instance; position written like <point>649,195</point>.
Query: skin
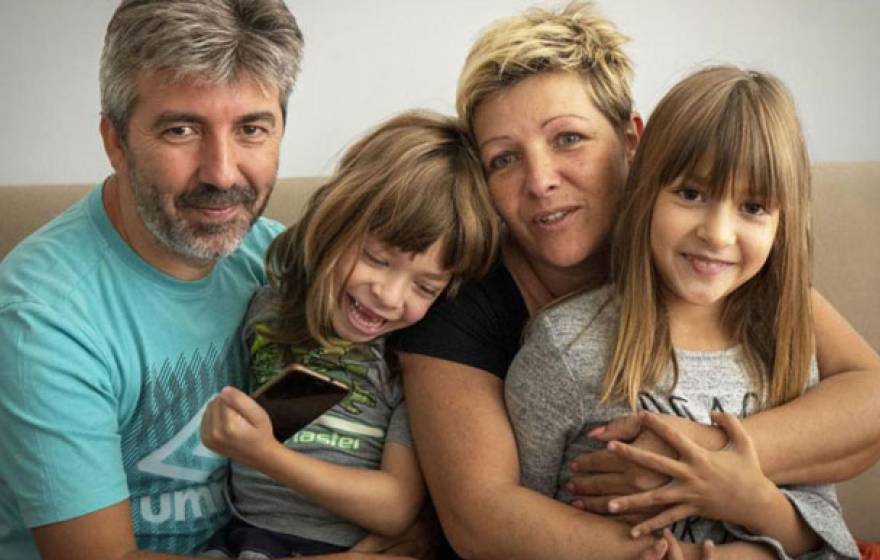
<point>392,290</point>
<point>387,289</point>
<point>554,165</point>
<point>726,484</point>
<point>222,135</point>
<point>182,136</point>
<point>468,451</point>
<point>703,250</point>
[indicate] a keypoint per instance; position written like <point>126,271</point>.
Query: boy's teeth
<point>365,314</point>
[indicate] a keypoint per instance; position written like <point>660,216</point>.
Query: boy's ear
<point>113,145</point>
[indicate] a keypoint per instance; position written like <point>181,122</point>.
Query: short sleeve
<point>480,327</point>
<point>60,452</point>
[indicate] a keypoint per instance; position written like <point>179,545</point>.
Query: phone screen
<point>296,397</point>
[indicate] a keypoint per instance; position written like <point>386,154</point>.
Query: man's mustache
<point>206,195</point>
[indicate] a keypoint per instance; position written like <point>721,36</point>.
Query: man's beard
<point>195,241</point>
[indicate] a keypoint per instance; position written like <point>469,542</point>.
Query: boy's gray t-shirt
<point>352,433</point>
<point>553,394</point>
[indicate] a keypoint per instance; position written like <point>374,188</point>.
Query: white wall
<point>367,59</point>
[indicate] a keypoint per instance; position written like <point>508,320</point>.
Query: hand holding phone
<point>296,396</point>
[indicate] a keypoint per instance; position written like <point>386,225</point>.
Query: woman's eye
<point>501,161</point>
<point>569,138</point>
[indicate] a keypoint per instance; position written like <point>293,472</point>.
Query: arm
<point>667,546</point>
<point>727,485</point>
<point>107,534</point>
<point>384,501</point>
<point>468,454</point>
<point>784,436</point>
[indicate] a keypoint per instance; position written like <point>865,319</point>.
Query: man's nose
<point>218,163</point>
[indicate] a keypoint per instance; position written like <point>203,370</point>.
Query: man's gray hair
<point>216,41</point>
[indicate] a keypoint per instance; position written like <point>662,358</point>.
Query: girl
<point>709,311</point>
<point>403,220</point>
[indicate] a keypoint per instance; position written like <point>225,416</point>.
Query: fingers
<point>652,500</point>
<point>623,428</point>
<point>600,486</point>
<point>662,519</point>
<point>649,460</point>
<point>656,551</point>
<point>686,448</point>
<point>244,406</point>
<point>708,550</point>
<point>675,552</point>
<point>734,429</point>
<point>599,461</point>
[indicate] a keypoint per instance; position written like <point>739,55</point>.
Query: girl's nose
<point>718,229</point>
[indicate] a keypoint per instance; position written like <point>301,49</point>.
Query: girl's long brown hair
<point>744,125</point>
<point>410,182</point>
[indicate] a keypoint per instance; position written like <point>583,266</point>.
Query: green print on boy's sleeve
<point>347,363</point>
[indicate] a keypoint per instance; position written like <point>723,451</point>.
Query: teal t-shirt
<point>106,365</point>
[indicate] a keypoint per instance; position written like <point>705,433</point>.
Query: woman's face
<point>554,165</point>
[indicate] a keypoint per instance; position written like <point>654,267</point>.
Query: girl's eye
<point>501,161</point>
<point>375,258</point>
<point>568,139</point>
<point>754,208</point>
<point>689,194</point>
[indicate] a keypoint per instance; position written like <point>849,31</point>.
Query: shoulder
<point>480,326</point>
<point>56,261</point>
<point>590,314</point>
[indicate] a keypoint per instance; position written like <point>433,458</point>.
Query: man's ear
<point>634,131</point>
<point>113,145</point>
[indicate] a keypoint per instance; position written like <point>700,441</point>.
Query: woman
<point>547,100</point>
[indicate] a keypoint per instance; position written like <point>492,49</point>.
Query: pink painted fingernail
<point>596,432</point>
<point>573,467</point>
<point>613,506</point>
<point>635,533</point>
<point>578,504</point>
<point>569,487</point>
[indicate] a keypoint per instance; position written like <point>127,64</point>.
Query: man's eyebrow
<point>264,116</point>
<point>169,118</point>
<point>174,117</point>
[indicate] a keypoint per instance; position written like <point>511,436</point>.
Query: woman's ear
<point>634,129</point>
<point>113,145</point>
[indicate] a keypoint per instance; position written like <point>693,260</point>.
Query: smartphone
<point>296,396</point>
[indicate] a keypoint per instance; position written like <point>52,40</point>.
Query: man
<point>119,318</point>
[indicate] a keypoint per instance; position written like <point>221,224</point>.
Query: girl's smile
<point>705,248</point>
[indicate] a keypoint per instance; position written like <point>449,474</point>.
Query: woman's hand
<point>235,426</point>
<point>600,476</point>
<point>726,484</point>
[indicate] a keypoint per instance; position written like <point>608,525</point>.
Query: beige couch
<point>846,218</point>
